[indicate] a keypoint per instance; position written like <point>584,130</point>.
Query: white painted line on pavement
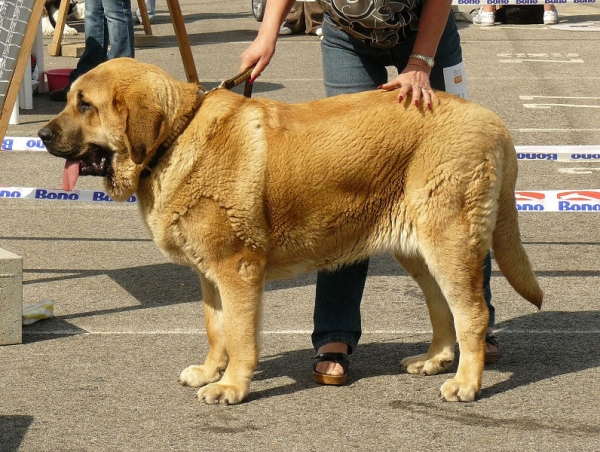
<point>532,97</point>
<point>275,332</point>
<point>592,101</point>
<point>536,130</point>
<point>546,106</point>
<point>577,170</point>
<point>539,58</point>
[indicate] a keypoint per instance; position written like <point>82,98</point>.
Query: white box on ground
<point>11,298</point>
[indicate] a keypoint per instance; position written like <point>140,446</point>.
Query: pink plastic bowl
<point>57,78</point>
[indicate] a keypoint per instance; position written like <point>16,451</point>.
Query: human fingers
<point>424,95</point>
<point>258,56</point>
<point>410,82</point>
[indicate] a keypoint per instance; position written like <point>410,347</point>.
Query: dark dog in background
<point>520,15</point>
<point>50,16</point>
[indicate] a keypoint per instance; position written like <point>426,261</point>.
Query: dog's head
<point>116,117</point>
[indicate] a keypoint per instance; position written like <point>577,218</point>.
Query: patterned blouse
<point>382,23</point>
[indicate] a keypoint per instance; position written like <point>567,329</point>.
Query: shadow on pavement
<point>12,431</point>
<point>534,348</point>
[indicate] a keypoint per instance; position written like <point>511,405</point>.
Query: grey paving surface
<point>101,376</point>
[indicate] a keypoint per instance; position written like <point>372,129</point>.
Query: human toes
<point>329,368</point>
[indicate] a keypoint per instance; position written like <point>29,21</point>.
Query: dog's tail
<point>506,241</point>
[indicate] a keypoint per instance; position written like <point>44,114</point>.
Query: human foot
<point>492,347</point>
<point>331,364</point>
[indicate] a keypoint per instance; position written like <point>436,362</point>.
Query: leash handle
<point>238,80</point>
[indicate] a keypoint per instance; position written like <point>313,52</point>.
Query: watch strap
<point>429,61</point>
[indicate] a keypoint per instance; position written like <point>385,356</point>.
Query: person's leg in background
<point>550,14</point>
<point>313,18</point>
<point>96,46</point>
<point>119,24</point>
<point>349,66</point>
<point>485,16</point>
<point>150,9</point>
<point>294,21</point>
<point>108,34</point>
<point>96,39</point>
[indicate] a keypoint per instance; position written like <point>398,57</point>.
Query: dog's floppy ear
<point>144,123</point>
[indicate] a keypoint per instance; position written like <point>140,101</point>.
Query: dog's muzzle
<point>95,161</point>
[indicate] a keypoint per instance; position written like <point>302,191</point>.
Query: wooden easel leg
<point>145,19</point>
<point>182,39</point>
<point>54,48</point>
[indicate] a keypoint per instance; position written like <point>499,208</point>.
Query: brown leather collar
<point>181,125</point>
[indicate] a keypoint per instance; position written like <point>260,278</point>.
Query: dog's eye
<point>84,106</point>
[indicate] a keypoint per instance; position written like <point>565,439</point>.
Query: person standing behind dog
<point>304,17</point>
<point>108,34</point>
<point>150,9</point>
<point>487,15</point>
<point>361,39</point>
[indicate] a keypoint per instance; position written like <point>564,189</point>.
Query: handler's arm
<point>432,23</point>
<point>260,52</point>
<point>415,76</point>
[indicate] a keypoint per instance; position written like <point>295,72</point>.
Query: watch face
<point>429,61</point>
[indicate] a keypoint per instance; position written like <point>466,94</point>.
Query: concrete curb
<point>11,298</point>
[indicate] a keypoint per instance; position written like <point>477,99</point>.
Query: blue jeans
<point>349,66</point>
<point>150,9</point>
<point>108,34</point>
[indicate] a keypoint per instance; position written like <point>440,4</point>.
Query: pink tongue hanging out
<point>70,174</point>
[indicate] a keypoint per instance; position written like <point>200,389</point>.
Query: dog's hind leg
<point>441,351</point>
<point>216,360</point>
<point>457,265</point>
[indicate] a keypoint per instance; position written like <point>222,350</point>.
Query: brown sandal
<point>332,380</point>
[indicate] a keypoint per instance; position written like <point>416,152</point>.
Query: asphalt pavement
<point>102,374</point>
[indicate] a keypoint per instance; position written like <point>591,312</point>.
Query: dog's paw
<point>69,30</point>
<point>224,394</point>
<point>424,365</point>
<point>454,390</point>
<point>196,376</point>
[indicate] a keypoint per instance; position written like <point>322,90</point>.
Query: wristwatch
<point>429,61</point>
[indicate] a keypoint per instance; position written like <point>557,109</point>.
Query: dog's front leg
<point>216,360</point>
<point>240,281</point>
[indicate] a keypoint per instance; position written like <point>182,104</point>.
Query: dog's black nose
<point>46,134</point>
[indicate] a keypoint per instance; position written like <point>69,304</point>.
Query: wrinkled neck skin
<point>148,125</point>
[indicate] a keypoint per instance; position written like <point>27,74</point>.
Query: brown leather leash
<point>242,77</point>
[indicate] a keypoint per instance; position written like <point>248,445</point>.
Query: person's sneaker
<point>484,18</point>
<point>550,17</point>
<point>285,30</point>
<point>60,94</point>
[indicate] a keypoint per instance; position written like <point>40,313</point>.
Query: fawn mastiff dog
<point>250,190</point>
